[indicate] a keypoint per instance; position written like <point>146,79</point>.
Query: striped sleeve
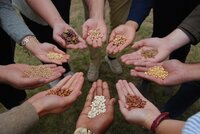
<point>192,125</point>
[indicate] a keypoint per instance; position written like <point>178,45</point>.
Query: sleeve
<point>191,25</point>
<point>18,120</point>
<point>11,22</point>
<point>192,125</point>
<point>140,10</point>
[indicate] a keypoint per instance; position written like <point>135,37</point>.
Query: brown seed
<point>134,102</point>
<point>59,92</point>
<point>70,37</point>
<point>151,53</point>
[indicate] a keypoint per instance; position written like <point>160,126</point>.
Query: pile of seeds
<point>119,40</point>
<point>70,37</point>
<point>98,106</point>
<point>38,72</point>
<point>151,53</point>
<point>95,34</point>
<point>134,101</point>
<point>157,72</point>
<point>59,92</point>
<point>54,56</point>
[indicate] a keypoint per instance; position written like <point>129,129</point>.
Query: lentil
<point>59,92</point>
<point>38,71</point>
<point>98,106</point>
<point>70,37</point>
<point>54,56</point>
<point>157,72</point>
<point>151,53</point>
<point>134,101</point>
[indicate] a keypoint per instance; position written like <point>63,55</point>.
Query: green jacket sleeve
<point>191,25</point>
<point>18,120</point>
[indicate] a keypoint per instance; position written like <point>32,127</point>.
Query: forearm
<point>11,22</point>
<point>50,14</point>
<point>96,8</point>
<point>193,71</point>
<point>176,39</point>
<point>170,127</point>
<point>19,119</point>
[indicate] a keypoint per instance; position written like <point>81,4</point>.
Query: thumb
<point>138,44</point>
<point>85,30</point>
<point>111,105</point>
<point>122,108</point>
<point>60,40</point>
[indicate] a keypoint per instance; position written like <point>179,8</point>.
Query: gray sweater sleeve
<point>18,120</point>
<point>11,22</point>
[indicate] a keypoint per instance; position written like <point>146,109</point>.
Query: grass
<point>65,123</point>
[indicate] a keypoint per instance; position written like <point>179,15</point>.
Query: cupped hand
<point>41,51</point>
<point>94,24</point>
<point>101,122</point>
<point>19,80</point>
<point>124,30</point>
<point>53,104</point>
<point>177,72</point>
<point>58,29</point>
<point>140,116</point>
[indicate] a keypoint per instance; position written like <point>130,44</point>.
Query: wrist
<point>38,108</point>
<point>192,71</point>
<point>3,74</point>
<point>83,130</point>
<point>158,120</point>
<point>149,120</point>
<point>132,24</point>
<point>30,42</point>
<point>176,39</point>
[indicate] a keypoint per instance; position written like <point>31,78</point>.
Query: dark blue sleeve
<point>140,10</point>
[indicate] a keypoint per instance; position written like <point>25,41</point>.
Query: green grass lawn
<point>65,123</point>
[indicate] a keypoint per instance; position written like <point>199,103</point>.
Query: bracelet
<point>158,120</point>
<point>83,131</point>
<point>27,39</point>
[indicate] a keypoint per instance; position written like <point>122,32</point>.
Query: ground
<point>65,123</point>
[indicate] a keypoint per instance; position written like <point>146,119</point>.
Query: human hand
<point>101,122</point>
<point>128,31</point>
<point>53,104</point>
<point>160,44</point>
<point>177,72</point>
<point>41,51</point>
<point>58,29</point>
<point>140,116</point>
<point>93,24</point>
<point>19,80</point>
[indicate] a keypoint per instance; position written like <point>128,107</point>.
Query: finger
<point>99,42</point>
<point>123,88</point>
<point>112,35</point>
<point>94,43</point>
<point>90,95</point>
<point>123,46</point>
<point>135,90</point>
<point>76,83</point>
<point>138,44</point>
<point>34,82</point>
<point>123,108</point>
<point>60,41</point>
<point>70,81</point>
<point>141,69</point>
<point>110,45</point>
<point>110,106</point>
<point>112,49</point>
<point>89,40</point>
<point>62,82</point>
<point>72,46</point>
<point>99,90</point>
<point>106,90</point>
<point>85,31</point>
<point>49,65</point>
<point>116,50</point>
<point>120,92</point>
<point>55,49</point>
<point>72,97</point>
<point>126,85</point>
<point>146,76</point>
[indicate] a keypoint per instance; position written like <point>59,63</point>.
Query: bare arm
<point>96,8</point>
<point>170,127</point>
<point>49,13</point>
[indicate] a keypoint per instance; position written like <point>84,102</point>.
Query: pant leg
<point>184,98</point>
<point>45,33</point>
<point>9,96</point>
<point>119,10</point>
